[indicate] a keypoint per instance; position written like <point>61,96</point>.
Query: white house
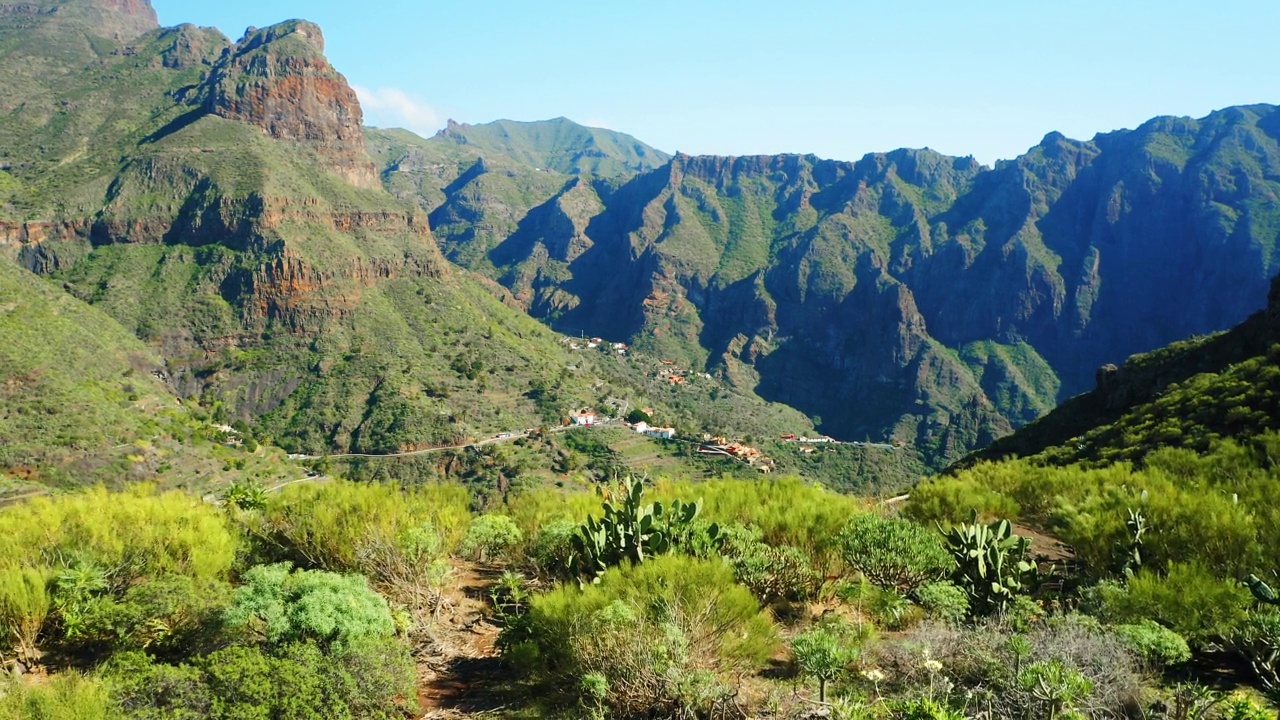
<point>641,427</point>
<point>585,418</point>
<point>661,433</point>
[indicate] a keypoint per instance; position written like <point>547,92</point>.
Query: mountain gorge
<point>351,288</point>
<point>910,294</point>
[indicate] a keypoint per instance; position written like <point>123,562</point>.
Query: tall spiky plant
<point>25,603</point>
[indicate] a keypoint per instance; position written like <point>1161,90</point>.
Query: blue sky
<point>837,78</point>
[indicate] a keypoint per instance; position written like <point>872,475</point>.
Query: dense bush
<point>1188,599</point>
<point>490,538</point>
<point>892,553</point>
<point>551,554</point>
<point>170,617</point>
<point>1157,646</point>
<point>279,605</point>
<point>390,535</point>
<point>787,511</point>
<point>130,536</point>
<point>369,679</point>
<point>67,696</point>
<point>25,603</point>
<point>651,640</point>
<point>943,601</point>
<point>1214,509</point>
<point>772,573</point>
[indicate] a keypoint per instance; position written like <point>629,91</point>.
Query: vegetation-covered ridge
<point>82,402</point>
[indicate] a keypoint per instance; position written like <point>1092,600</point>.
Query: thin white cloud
<point>393,107</point>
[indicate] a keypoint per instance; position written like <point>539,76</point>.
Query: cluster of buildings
<point>661,433</point>
<point>739,451</point>
<point>596,343</point>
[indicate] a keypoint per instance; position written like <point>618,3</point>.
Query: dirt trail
<point>458,679</point>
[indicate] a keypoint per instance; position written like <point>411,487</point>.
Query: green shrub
<point>280,606</point>
<point>1054,686</point>
<point>1188,599</point>
<point>787,510</point>
<point>825,651</point>
<point>1154,644</point>
<point>646,630</point>
<point>893,554</point>
<point>772,573</point>
<point>889,609</point>
<point>943,601</point>
<point>66,696</point>
<point>552,552</point>
<point>951,499</point>
<point>393,536</point>
<point>924,709</point>
<point>490,537</point>
<point>25,602</point>
<point>366,679</point>
<point>171,617</point>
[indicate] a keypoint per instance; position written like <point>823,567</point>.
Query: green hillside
<point>82,402</point>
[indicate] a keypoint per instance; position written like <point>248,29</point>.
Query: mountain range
<point>338,287</point>
<point>908,295</point>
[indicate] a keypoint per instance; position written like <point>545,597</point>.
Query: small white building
<point>661,433</point>
<point>641,427</point>
<point>586,418</point>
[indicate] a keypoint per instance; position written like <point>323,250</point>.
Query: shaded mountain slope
<point>910,294</point>
<point>1189,394</point>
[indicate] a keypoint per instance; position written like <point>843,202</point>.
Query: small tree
<point>825,651</point>
<point>490,536</point>
<point>893,553</point>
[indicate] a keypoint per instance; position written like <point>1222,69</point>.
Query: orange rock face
<point>278,79</point>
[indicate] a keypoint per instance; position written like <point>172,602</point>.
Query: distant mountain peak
<point>278,79</point>
<point>115,19</point>
<point>559,144</point>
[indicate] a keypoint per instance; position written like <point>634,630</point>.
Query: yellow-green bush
<point>641,633</point>
<point>787,510</point>
<point>333,525</point>
<point>135,534</point>
<point>536,508</point>
<point>24,604</point>
<point>67,696</point>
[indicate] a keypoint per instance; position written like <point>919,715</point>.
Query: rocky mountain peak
<point>278,79</point>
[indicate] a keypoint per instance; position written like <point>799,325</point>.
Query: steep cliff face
<point>911,294</point>
<point>278,80</point>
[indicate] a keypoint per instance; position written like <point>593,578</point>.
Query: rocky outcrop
<point>278,80</point>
